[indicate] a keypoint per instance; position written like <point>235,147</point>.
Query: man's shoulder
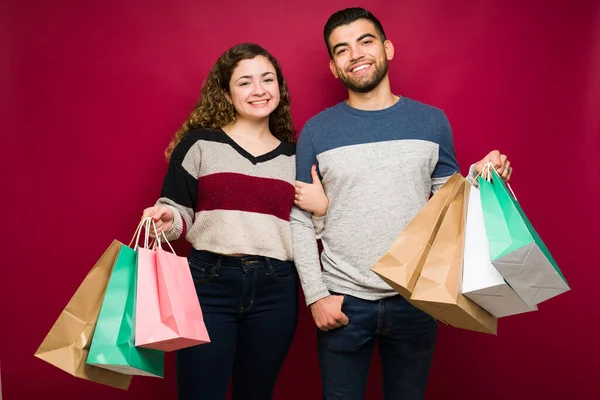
<point>328,115</point>
<point>425,109</point>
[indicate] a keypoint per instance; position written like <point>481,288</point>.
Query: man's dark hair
<point>346,17</point>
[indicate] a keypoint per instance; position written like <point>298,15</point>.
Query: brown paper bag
<point>66,345</point>
<point>401,265</point>
<point>438,288</point>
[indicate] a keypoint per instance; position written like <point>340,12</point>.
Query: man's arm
<point>306,252</point>
<point>326,309</point>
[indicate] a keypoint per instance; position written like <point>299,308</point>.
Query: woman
<point>229,190</point>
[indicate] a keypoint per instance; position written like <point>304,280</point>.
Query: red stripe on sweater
<point>232,191</point>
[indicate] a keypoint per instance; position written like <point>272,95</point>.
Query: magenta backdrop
<point>92,91</point>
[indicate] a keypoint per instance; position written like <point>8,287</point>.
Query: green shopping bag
<point>516,249</point>
<point>113,344</point>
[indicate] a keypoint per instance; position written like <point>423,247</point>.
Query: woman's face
<point>253,88</point>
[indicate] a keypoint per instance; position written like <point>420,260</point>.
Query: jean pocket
<point>202,272</point>
<point>282,270</point>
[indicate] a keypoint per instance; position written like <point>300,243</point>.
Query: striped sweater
<point>378,170</point>
<point>227,201</point>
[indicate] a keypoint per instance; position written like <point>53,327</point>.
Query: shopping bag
<point>113,345</point>
<point>482,283</point>
<point>516,249</point>
<point>401,265</point>
<point>168,314</point>
<point>438,287</point>
<point>67,344</point>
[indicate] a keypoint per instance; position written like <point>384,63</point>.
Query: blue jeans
<point>250,307</point>
<point>405,337</point>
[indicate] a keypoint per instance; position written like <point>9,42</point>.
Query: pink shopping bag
<point>168,314</point>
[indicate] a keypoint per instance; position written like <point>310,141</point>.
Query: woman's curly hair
<point>212,109</point>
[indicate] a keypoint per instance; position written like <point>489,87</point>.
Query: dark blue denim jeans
<point>250,307</point>
<point>405,337</point>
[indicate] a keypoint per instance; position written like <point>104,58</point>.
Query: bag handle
<point>136,234</point>
<point>158,238</point>
<point>487,174</point>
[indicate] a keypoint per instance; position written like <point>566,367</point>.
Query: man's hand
<point>327,313</point>
<point>500,162</point>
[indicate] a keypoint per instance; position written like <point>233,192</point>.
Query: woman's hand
<point>311,196</point>
<point>162,217</point>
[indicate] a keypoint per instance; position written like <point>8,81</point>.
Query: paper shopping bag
<point>401,265</point>
<point>168,314</point>
<point>516,249</point>
<point>113,345</point>
<point>67,344</point>
<point>482,283</point>
<point>438,287</point>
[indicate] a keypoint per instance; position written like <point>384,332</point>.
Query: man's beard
<point>366,85</point>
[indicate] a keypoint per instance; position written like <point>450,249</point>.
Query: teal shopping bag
<point>516,249</point>
<point>113,344</point>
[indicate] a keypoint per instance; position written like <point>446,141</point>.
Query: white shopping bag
<point>482,283</point>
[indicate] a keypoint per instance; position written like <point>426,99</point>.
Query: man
<point>380,157</point>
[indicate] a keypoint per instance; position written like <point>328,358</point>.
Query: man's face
<point>359,56</point>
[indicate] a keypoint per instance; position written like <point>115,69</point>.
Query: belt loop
<point>267,265</point>
<point>218,265</point>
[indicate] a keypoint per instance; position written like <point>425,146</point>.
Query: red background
<point>92,92</point>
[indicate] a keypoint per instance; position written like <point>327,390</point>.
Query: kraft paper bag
<point>438,288</point>
<point>401,265</point>
<point>67,344</point>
